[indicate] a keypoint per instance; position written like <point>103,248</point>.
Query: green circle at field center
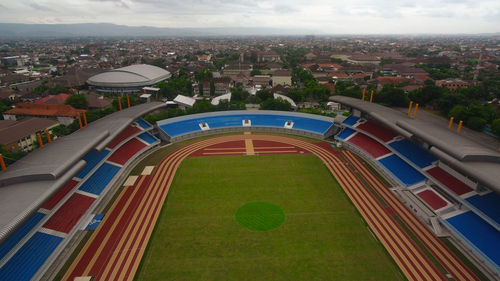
<point>260,216</point>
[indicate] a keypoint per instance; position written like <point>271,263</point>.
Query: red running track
<point>66,217</point>
<point>452,183</point>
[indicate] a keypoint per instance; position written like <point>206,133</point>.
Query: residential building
<point>64,114</point>
<point>21,135</point>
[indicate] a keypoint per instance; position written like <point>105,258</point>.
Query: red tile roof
<point>53,110</point>
<point>54,99</point>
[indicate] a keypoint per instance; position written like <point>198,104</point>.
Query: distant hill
<point>15,30</point>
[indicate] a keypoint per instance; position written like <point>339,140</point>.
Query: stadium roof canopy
<point>465,154</point>
<point>138,75</point>
<point>29,182</point>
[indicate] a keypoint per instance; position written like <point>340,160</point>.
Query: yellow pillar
<point>451,122</point>
<point>409,108</point>
<point>364,91</point>
<point>415,113</point>
<point>128,101</point>
<point>460,126</point>
<point>48,136</point>
<point>371,96</point>
<point>119,103</point>
<point>40,140</point>
<point>2,163</point>
<point>84,119</point>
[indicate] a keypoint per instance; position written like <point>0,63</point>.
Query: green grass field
<point>323,237</point>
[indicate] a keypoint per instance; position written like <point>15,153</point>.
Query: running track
<point>115,249</point>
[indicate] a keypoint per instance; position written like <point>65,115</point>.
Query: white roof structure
<point>216,100</point>
<point>130,76</point>
<point>285,98</point>
<point>185,101</point>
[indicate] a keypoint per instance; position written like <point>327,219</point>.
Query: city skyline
<point>316,17</point>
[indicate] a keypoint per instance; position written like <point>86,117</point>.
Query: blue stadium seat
<point>99,179</point>
<point>413,152</point>
<point>92,158</point>
<point>19,234</point>
<point>261,120</point>
<point>30,257</point>
<point>347,132</point>
<point>351,120</point>
<point>148,138</point>
<point>489,204</point>
<point>143,124</point>
<point>401,170</point>
<point>479,233</point>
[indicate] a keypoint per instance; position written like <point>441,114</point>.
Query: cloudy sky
<point>320,16</point>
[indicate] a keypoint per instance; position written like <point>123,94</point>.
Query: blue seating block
<point>19,234</point>
<point>479,233</point>
<point>148,138</point>
<point>92,158</point>
<point>261,120</point>
<point>400,169</point>
<point>143,124</point>
<point>351,120</point>
<point>414,153</point>
<point>347,132</point>
<point>30,257</point>
<point>489,204</point>
<point>100,179</point>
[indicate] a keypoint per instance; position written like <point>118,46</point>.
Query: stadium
<point>378,195</point>
<point>128,79</point>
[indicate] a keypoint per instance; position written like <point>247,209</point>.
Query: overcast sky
<point>320,16</point>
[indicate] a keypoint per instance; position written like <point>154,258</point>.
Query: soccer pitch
<point>322,237</point>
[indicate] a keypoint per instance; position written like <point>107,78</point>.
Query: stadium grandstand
<point>446,180</point>
<point>128,79</point>
<point>189,126</point>
<point>449,180</point>
<point>50,193</point>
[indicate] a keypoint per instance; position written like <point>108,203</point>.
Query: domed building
<point>128,79</point>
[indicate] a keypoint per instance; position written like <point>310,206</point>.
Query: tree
<point>264,95</point>
<point>276,104</point>
<point>212,88</point>
<point>495,127</point>
<point>476,123</point>
<point>77,101</point>
<point>239,94</point>
<point>392,96</point>
<point>459,112</point>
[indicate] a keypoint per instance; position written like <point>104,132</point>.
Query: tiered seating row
<point>147,137</point>
<point>70,213</point>
<point>452,183</point>
<point>19,234</point>
<point>56,198</point>
<point>419,156</point>
<point>378,131</point>
<point>126,151</point>
<point>479,233</point>
<point>143,124</point>
<point>125,134</point>
<point>347,132</point>
<point>401,170</point>
<point>92,158</point>
<point>32,255</point>
<point>261,120</point>
<point>100,179</point>
<point>489,204</point>
<point>369,145</point>
<point>351,120</point>
<point>432,199</point>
